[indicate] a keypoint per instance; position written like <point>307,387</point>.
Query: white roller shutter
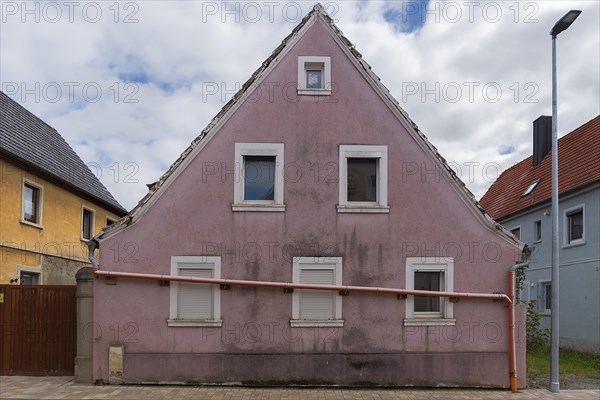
<point>317,304</point>
<point>195,300</point>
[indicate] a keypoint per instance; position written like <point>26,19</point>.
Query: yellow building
<point>50,202</point>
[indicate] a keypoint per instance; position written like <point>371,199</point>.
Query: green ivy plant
<point>537,337</point>
<point>519,282</point>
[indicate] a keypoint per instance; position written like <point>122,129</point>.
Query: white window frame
<point>364,151</point>
<point>302,263</point>
<point>258,149</point>
<point>40,205</point>
<point>93,224</point>
<point>173,320</point>
<point>542,285</point>
<point>307,62</point>
<point>566,226</point>
<point>514,228</point>
<point>444,265</point>
<point>535,231</point>
<point>33,270</point>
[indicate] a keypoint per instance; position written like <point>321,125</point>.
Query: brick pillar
<point>85,320</point>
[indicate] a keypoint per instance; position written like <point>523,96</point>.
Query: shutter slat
<point>317,276</point>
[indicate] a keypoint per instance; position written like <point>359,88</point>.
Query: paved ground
<point>18,387</point>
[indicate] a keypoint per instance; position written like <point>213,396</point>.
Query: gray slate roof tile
<point>30,140</point>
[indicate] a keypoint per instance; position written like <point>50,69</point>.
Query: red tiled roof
<point>578,165</point>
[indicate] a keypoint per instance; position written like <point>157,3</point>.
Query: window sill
<point>316,323</point>
<point>377,209</point>
<point>314,92</point>
<point>258,207</point>
<point>430,322</point>
<point>574,243</point>
<point>32,224</point>
<point>195,322</point>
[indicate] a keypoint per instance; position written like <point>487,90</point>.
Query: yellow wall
<point>61,220</point>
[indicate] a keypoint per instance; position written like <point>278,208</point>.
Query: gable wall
<point>194,217</point>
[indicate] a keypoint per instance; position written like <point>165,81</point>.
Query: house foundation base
<point>385,369</point>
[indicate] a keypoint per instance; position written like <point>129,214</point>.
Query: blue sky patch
<point>169,87</point>
<point>134,76</point>
<point>507,149</point>
<point>105,157</point>
<point>408,17</point>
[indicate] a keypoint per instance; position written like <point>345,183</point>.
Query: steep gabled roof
<point>578,166</point>
<point>316,15</point>
<point>30,142</point>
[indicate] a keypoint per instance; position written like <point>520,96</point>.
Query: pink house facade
<point>312,175</point>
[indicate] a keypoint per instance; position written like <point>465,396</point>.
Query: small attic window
<point>314,75</point>
<point>530,188</point>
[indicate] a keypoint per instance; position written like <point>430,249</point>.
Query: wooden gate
<point>38,330</point>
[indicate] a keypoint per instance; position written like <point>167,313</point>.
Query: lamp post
<point>561,25</point>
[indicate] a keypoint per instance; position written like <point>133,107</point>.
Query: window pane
<point>530,188</point>
<point>259,178</point>
<point>29,278</point>
<point>362,179</point>
<point>87,224</point>
<point>538,230</point>
<point>30,203</point>
<point>427,281</point>
<point>313,79</point>
<point>576,226</point>
<point>548,296</point>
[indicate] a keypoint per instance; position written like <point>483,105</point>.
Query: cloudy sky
<point>129,84</point>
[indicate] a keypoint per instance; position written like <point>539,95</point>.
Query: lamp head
<point>563,23</point>
<point>528,251</point>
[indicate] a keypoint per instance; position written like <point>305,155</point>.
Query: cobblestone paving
<point>17,387</point>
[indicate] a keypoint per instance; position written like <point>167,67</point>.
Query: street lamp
<point>560,26</point>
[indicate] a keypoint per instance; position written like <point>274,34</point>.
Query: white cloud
<point>176,47</point>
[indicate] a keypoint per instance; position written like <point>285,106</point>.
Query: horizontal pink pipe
<point>363,289</point>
